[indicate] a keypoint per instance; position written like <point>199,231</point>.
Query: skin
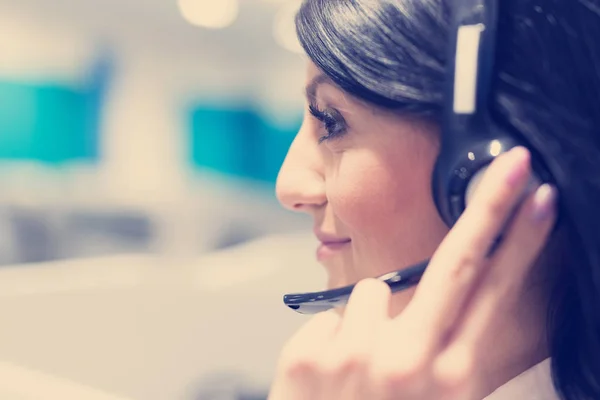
<point>371,186</point>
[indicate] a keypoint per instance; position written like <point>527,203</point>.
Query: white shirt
<point>533,384</point>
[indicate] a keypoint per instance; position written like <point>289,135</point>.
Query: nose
<point>301,183</point>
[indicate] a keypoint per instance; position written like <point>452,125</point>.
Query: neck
<point>519,341</point>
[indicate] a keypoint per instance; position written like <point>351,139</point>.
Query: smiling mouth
<point>330,249</point>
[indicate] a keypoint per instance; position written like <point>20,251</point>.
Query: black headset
<point>469,141</point>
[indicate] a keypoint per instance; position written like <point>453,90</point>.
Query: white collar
<point>533,384</point>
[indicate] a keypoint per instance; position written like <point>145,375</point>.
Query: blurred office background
<point>142,250</point>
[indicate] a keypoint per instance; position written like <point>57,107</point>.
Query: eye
<point>334,123</point>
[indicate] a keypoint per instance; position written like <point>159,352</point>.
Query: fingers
<point>297,377</point>
<point>499,193</point>
<point>511,264</point>
<point>367,307</point>
<point>312,337</point>
<point>348,357</point>
<point>461,260</point>
<point>524,241</point>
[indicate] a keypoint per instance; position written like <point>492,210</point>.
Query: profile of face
<point>364,175</point>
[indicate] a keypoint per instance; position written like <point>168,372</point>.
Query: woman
<point>523,324</point>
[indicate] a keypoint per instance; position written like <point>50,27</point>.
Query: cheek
<point>385,202</point>
<point>371,195</point>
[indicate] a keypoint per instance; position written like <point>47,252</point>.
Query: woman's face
<point>367,186</point>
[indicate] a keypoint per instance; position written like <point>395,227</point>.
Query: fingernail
<point>519,161</point>
<point>543,202</point>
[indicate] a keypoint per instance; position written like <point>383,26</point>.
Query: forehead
<point>314,79</point>
<point>320,87</point>
<point>311,70</point>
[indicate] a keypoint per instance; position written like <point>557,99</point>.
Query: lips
<point>335,243</point>
<point>330,245</point>
<point>328,238</point>
<point>327,250</point>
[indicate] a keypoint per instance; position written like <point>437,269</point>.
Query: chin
<point>335,282</point>
<point>336,274</point>
<point>340,274</point>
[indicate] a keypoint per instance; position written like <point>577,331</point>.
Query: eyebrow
<point>311,88</point>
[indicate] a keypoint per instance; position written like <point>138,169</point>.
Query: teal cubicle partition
<point>239,141</point>
<point>48,123</point>
<point>53,122</point>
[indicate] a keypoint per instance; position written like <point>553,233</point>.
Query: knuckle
<point>344,366</point>
<point>500,287</point>
<point>356,361</point>
<point>294,362</point>
<point>347,362</point>
<point>298,366</point>
<point>496,206</point>
<point>396,382</point>
<point>453,372</point>
<point>399,378</point>
<point>465,267</point>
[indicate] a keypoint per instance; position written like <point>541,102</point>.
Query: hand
<point>431,350</point>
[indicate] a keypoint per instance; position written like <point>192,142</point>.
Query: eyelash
<point>331,119</point>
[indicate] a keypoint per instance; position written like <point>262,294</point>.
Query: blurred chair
<point>104,233</point>
<point>229,386</point>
